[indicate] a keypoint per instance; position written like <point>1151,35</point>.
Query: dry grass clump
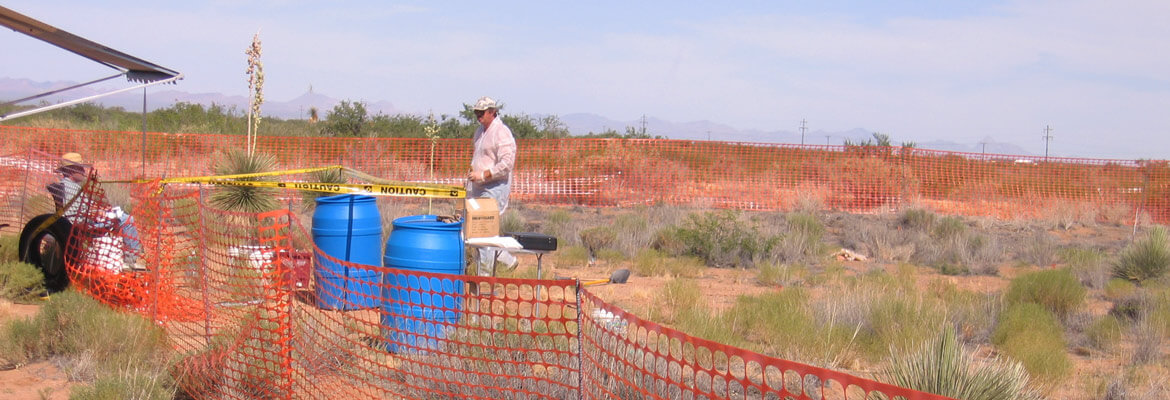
<point>1087,264</point>
<point>119,355</point>
<point>650,262</point>
<point>1040,249</point>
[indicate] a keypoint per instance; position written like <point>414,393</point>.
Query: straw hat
<point>71,162</point>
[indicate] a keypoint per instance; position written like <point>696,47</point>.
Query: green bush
<point>949,227</point>
<point>720,239</point>
<point>1032,335</point>
<point>9,247</point>
<point>917,218</point>
<point>943,367</point>
<point>21,282</point>
<point>1145,259</point>
<point>1057,290</point>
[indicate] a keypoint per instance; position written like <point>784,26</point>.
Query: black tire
<point>46,250</point>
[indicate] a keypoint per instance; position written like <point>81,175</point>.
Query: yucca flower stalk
<point>255,74</point>
<point>432,132</point>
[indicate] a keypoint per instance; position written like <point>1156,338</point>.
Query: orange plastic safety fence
<point>624,356</point>
<point>616,172</point>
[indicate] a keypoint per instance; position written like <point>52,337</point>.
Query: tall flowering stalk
<point>255,74</point>
<point>432,132</point>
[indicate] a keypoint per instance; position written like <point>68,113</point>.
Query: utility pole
<point>643,124</point>
<point>1047,138</point>
<point>802,129</point>
<point>827,139</point>
<point>708,135</point>
<point>984,151</point>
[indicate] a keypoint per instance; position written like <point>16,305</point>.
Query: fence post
<point>580,344</point>
<point>24,191</point>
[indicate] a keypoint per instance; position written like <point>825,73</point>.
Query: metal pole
<point>144,133</point>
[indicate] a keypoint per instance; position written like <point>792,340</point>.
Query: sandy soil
<point>36,381</point>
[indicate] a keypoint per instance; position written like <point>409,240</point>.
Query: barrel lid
<point>426,222</point>
<point>345,198</point>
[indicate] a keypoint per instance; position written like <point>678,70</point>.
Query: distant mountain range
<point>578,123</point>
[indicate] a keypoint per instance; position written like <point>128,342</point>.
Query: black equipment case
<point>534,241</point>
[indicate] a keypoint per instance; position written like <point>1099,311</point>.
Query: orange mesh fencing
<point>617,172</point>
<point>625,357</point>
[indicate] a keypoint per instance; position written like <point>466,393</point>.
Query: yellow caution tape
<point>382,188</point>
<point>400,190</point>
<point>234,176</point>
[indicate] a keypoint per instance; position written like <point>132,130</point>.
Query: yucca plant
<point>244,198</point>
<point>943,367</point>
<point>333,175</point>
<point>1145,259</point>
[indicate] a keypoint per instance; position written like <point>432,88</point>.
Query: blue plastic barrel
<point>420,310</point>
<point>349,228</point>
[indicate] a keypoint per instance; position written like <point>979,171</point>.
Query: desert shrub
<point>801,241</point>
<point>880,241</point>
<point>917,218</point>
<point>1145,259</point>
<point>949,227</point>
<point>1030,334</point>
<point>1040,249</point>
<point>598,238</point>
<point>21,282</point>
<point>719,239</point>
<point>1104,333</point>
<point>9,247</point>
<point>1087,264</point>
<point>956,252</point>
<point>1057,290</point>
<point>941,366</point>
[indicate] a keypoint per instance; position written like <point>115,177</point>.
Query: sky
<point>1096,72</point>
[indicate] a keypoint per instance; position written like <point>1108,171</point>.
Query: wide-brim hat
<point>71,162</point>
